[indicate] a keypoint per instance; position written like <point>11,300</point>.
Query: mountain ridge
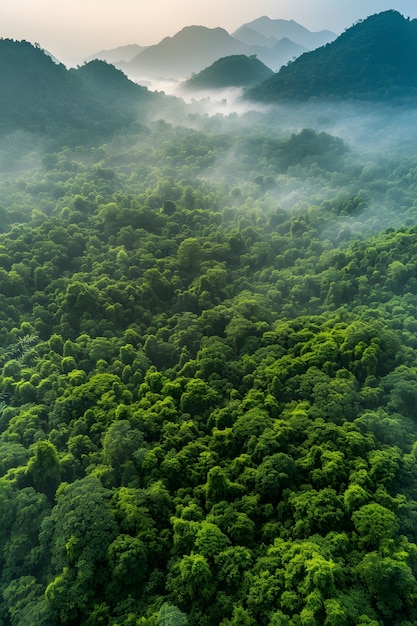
<point>114,55</point>
<point>252,37</point>
<point>372,60</point>
<point>172,58</point>
<point>279,28</point>
<point>195,47</point>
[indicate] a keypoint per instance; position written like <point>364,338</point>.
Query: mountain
<point>190,50</point>
<point>233,71</point>
<point>35,91</point>
<point>120,99</point>
<point>373,60</point>
<point>54,58</point>
<point>115,55</point>
<point>274,53</point>
<point>103,80</point>
<point>41,96</point>
<point>278,55</point>
<point>194,48</point>
<point>252,37</point>
<point>278,29</point>
<point>284,50</point>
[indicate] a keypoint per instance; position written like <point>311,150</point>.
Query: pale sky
<point>74,29</point>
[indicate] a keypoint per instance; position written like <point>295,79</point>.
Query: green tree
<point>210,540</point>
<point>43,468</point>
<point>375,524</point>
<point>80,530</point>
<point>119,444</point>
<point>128,564</point>
<point>274,474</point>
<point>190,255</point>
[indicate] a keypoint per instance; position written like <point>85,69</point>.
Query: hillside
<point>41,96</point>
<point>231,71</point>
<point>373,60</point>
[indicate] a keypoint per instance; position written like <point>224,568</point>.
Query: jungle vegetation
<point>208,376</point>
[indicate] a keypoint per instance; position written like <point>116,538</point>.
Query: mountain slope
<point>373,60</point>
<point>39,95</point>
<point>30,81</point>
<point>103,79</point>
<point>232,71</point>
<point>121,101</point>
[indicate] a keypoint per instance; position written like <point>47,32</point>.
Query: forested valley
<point>208,388</point>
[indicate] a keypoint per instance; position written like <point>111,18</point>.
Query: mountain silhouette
<point>278,29</point>
<point>252,37</point>
<point>283,51</point>
<point>117,55</point>
<point>194,48</point>
<point>190,50</point>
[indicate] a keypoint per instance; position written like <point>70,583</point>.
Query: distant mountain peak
<point>123,53</point>
<point>188,51</point>
<point>280,28</point>
<point>195,30</point>
<point>195,47</point>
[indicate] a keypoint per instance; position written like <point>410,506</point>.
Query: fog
<point>369,128</point>
<point>204,102</point>
<point>379,141</point>
<point>20,153</point>
<point>376,163</point>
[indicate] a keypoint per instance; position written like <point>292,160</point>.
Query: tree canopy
<point>208,367</point>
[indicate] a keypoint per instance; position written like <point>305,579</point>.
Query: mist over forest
<point>208,350</point>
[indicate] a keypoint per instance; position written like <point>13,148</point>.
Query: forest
<point>208,370</point>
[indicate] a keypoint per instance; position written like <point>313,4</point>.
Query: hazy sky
<point>74,29</point>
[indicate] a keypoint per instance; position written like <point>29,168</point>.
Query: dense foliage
<point>373,60</point>
<point>237,70</point>
<point>208,379</point>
